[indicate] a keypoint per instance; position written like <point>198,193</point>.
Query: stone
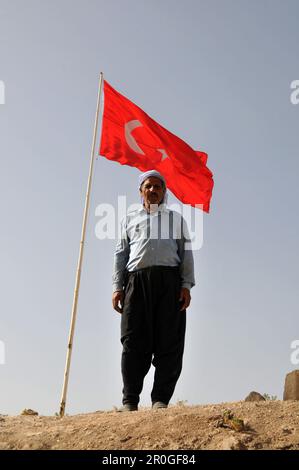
<point>255,396</point>
<point>232,443</point>
<point>291,386</point>
<point>287,430</point>
<point>29,412</point>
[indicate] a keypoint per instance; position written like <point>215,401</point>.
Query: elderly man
<point>153,275</point>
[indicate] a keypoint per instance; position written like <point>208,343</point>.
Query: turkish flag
<point>131,137</point>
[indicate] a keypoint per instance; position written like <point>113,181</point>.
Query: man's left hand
<point>185,297</point>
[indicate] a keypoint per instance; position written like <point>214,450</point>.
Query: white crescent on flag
<point>129,127</point>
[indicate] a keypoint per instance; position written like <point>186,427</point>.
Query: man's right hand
<point>118,298</point>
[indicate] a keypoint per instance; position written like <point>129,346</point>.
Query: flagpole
<point>78,275</point>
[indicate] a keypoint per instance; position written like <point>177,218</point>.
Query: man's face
<point>152,190</point>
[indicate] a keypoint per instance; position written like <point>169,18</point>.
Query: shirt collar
<point>161,208</point>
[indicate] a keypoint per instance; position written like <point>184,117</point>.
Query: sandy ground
<point>267,425</point>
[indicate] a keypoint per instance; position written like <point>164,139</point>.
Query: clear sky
<point>217,74</point>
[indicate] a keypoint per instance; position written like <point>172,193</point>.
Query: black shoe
<point>129,407</point>
<point>159,404</point>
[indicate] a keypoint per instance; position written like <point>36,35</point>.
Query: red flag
<point>131,137</point>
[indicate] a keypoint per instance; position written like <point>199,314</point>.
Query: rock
<point>3,445</point>
<point>287,430</point>
<point>246,423</point>
<point>232,443</point>
<point>125,439</point>
<point>255,396</point>
<point>34,446</point>
<point>29,412</point>
<point>291,386</point>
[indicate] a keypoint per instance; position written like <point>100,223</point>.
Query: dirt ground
<point>267,425</point>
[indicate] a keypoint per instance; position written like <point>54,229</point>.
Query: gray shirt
<point>147,239</point>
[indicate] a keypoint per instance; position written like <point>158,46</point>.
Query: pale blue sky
<point>217,74</point>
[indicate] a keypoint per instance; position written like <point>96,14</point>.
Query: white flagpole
<point>78,275</point>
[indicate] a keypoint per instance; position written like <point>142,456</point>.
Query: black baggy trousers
<point>152,331</point>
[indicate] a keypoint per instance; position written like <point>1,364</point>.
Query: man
<point>153,275</point>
